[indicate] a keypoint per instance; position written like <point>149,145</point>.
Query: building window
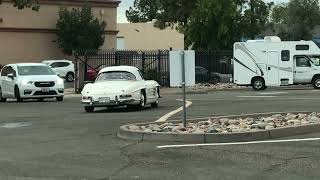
<point>285,55</point>
<point>302,47</point>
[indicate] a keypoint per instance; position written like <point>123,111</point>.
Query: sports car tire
<point>89,109</point>
<point>155,104</point>
<point>142,103</point>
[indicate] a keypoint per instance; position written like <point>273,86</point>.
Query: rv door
<point>272,75</point>
<point>303,72</point>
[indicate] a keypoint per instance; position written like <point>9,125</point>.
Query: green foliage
<point>79,29</point>
<point>20,4</point>
<point>206,24</point>
<point>213,25</point>
<point>299,18</point>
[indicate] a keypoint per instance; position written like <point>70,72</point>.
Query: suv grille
<point>45,93</point>
<point>44,84</point>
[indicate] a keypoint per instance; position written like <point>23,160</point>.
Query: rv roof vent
<point>272,39</point>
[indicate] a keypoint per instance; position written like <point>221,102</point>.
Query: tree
<point>213,25</point>
<point>20,4</point>
<point>166,12</point>
<point>298,18</point>
<point>206,24</point>
<point>79,29</point>
<point>255,18</point>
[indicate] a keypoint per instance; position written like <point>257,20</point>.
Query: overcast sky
<point>125,4</point>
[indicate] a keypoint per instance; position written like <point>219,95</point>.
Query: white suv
<point>64,68</point>
<point>30,81</point>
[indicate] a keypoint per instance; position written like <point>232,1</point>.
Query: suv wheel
<point>17,94</point>
<point>1,98</point>
<point>70,77</point>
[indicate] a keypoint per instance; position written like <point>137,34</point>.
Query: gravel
<point>226,125</point>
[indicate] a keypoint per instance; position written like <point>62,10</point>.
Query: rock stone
<point>212,130</point>
<point>254,126</point>
<point>243,125</point>
<point>262,125</point>
<point>134,127</point>
<point>233,122</point>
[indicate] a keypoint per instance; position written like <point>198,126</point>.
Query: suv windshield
<point>116,75</point>
<point>315,60</point>
<point>34,70</point>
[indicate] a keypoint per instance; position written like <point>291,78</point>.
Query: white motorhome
<point>272,62</point>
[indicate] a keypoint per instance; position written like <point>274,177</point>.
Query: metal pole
<point>184,90</point>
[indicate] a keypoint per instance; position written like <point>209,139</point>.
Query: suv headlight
<point>26,82</point>
<point>60,81</point>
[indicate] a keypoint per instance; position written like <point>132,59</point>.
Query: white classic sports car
<point>119,86</point>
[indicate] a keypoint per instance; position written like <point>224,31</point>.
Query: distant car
<point>118,86</point>
<point>204,76</point>
<point>30,81</point>
<point>64,68</point>
<point>93,72</point>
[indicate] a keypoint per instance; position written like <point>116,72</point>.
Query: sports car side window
<point>140,74</point>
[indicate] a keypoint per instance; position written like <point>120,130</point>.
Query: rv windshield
<point>315,60</point>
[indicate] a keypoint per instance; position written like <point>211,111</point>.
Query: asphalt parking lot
<point>58,140</point>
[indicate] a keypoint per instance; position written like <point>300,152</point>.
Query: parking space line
<point>168,115</point>
<point>238,143</point>
<point>257,96</point>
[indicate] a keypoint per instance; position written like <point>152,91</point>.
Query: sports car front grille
<point>44,84</point>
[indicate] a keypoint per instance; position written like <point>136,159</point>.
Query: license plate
<point>104,100</point>
<point>45,89</point>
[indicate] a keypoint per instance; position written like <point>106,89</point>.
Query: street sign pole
<point>184,89</point>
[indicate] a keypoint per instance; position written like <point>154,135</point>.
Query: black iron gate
<point>214,66</point>
<point>154,65</point>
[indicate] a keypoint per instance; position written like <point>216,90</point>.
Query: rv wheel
<point>316,82</point>
<point>258,84</point>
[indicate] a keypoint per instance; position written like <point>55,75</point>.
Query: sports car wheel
<point>155,104</point>
<point>89,109</point>
<point>142,104</point>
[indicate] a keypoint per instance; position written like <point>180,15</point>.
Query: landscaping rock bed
<point>221,86</point>
<point>232,125</point>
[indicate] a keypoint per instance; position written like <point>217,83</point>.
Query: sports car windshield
<point>34,70</point>
<point>116,75</point>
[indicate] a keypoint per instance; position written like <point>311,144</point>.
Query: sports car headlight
<point>86,98</point>
<point>125,96</point>
<point>60,81</point>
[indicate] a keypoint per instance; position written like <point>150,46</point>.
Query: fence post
<point>159,66</point>
<point>143,63</point>
<point>85,66</point>
<point>116,58</point>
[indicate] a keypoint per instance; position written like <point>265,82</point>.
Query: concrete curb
<point>125,133</point>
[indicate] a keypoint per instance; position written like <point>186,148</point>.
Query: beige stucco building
<point>144,36</point>
<point>29,36</point>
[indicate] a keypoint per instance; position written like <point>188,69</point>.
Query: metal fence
<point>154,64</point>
<point>214,66</point>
